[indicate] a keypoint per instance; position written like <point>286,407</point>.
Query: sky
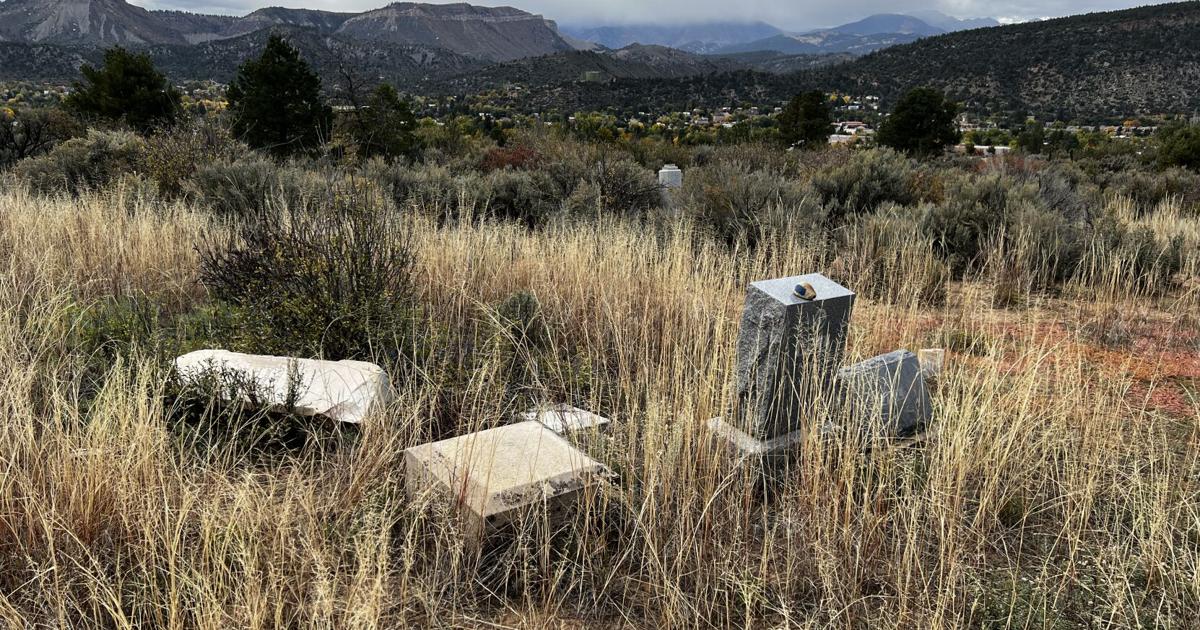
<point>786,14</point>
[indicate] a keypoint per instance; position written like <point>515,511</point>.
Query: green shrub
<point>865,181</point>
<point>334,283</point>
<point>433,190</point>
<point>626,187</point>
<point>529,197</point>
<point>27,133</point>
<point>248,186</point>
<point>86,163</point>
<point>733,201</point>
<point>174,154</point>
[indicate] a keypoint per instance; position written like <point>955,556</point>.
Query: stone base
<point>749,447</point>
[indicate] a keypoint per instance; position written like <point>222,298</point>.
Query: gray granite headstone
<point>888,390</point>
<point>788,352</point>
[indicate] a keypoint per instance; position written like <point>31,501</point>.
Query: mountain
<point>497,34</point>
<point>493,34</point>
<point>589,68</point>
<point>859,38</point>
<point>951,24</point>
<point>779,63</point>
<point>218,59</point>
<point>87,22</point>
<point>871,33</point>
<point>701,37</point>
<point>822,42</point>
<point>1100,66</point>
<point>888,23</point>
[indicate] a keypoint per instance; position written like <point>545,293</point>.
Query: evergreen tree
<point>806,121</point>
<point>126,88</point>
<point>276,102</point>
<point>1033,139</point>
<point>1179,145</point>
<point>384,127</point>
<point>922,123</point>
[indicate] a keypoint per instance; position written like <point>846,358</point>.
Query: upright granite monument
<point>790,346</point>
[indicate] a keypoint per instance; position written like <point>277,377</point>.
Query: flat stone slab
<point>564,419</point>
<point>788,352</point>
<point>342,390</point>
<point>495,476</point>
<point>888,393</point>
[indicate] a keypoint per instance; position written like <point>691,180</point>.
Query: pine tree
<point>276,102</point>
<point>125,88</point>
<point>806,121</point>
<point>384,127</point>
<point>922,123</point>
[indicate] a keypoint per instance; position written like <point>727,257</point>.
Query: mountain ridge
<point>490,33</point>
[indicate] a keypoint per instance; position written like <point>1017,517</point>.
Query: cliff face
<point>82,22</point>
<point>493,34</point>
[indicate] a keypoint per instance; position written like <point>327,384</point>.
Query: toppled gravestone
<point>496,476</point>
<point>564,419</point>
<point>342,390</point>
<point>887,394</point>
<point>790,344</point>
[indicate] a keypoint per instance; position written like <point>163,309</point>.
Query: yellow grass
<point>1053,490</point>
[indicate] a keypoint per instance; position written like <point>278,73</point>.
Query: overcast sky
<point>788,14</point>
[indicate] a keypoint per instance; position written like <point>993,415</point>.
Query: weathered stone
<point>341,390</point>
<point>788,352</point>
<point>497,475</point>
<point>933,361</point>
<point>563,419</point>
<point>669,176</point>
<point>888,394</point>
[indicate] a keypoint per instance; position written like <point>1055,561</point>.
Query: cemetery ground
<point>1056,485</point>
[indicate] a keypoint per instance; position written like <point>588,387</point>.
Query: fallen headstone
<point>342,390</point>
<point>888,394</point>
<point>497,475</point>
<point>564,419</point>
<point>790,344</point>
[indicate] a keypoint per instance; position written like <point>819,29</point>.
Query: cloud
<point>789,14</point>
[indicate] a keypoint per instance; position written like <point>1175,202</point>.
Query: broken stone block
<point>564,419</point>
<point>342,390</point>
<point>888,393</point>
<point>932,360</point>
<point>496,476</point>
<point>788,352</point>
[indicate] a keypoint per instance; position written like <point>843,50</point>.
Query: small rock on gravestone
<point>888,393</point>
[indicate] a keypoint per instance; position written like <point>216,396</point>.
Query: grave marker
<point>788,351</point>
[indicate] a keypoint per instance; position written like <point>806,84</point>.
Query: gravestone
<point>495,476</point>
<point>887,394</point>
<point>789,349</point>
<point>342,390</point>
<point>669,176</point>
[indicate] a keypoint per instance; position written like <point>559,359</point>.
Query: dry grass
<point>1056,488</point>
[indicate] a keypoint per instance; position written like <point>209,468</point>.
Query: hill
<point>588,69</point>
<point>702,37</point>
<point>1096,66</point>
